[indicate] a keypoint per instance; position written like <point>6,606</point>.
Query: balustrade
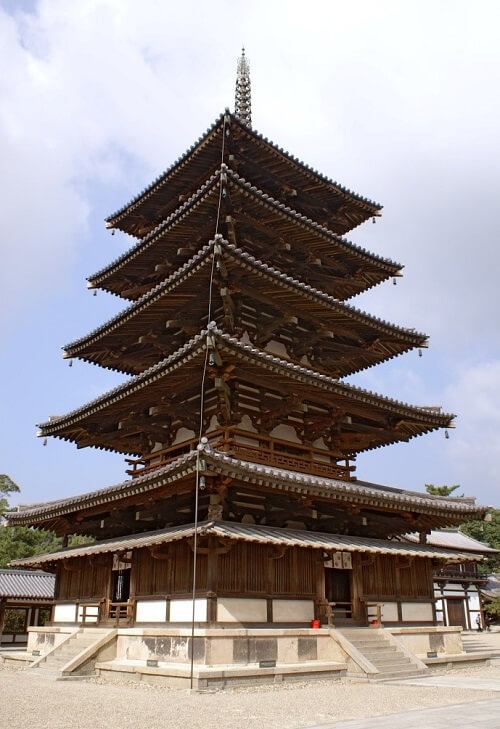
<point>256,448</point>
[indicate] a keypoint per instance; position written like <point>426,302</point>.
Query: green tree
<point>19,542</point>
<point>487,531</point>
<point>440,490</point>
<point>493,607</point>
<point>7,486</point>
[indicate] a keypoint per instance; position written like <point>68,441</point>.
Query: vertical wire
<point>202,412</point>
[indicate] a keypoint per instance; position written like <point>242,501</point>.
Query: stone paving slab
<point>454,681</point>
<point>473,715</point>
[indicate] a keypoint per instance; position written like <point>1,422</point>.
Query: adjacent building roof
<point>256,534</point>
<point>454,539</point>
<point>492,587</point>
<point>214,462</point>
<point>23,584</point>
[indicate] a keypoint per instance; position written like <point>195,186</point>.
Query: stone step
<point>379,654</point>
<point>368,646</point>
<point>396,667</point>
<point>366,641</point>
<point>395,661</point>
<point>394,675</point>
<point>82,641</point>
<point>374,650</point>
<point>68,652</point>
<point>54,662</point>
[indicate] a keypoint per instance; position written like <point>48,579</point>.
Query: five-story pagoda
<point>240,433</point>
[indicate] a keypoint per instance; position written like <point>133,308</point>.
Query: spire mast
<point>242,97</point>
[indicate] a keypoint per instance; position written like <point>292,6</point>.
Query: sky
<point>396,100</point>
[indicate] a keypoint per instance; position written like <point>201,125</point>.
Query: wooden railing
<point>118,612</point>
<point>256,448</point>
<point>338,611</point>
<point>106,611</point>
<point>450,573</point>
<point>374,614</point>
<point>90,612</point>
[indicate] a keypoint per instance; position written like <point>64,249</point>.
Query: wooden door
<point>338,592</point>
<point>456,612</point>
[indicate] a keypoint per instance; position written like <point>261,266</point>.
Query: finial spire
<point>242,97</point>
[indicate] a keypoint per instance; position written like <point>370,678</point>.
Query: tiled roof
<point>272,273</point>
<point>453,539</point>
<point>148,240</point>
<point>163,178</point>
<point>249,353</point>
<point>217,462</point>
<point>256,534</point>
<point>25,584</point>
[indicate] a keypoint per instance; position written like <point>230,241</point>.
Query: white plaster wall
<point>182,435</point>
<point>240,610</point>
<point>246,424</point>
<point>92,613</point>
<point>181,611</point>
<point>293,611</point>
<point>474,602</point>
<point>285,432</point>
<point>151,611</point>
<point>277,348</point>
<point>320,443</point>
<point>214,424</point>
<point>390,612</point>
<point>416,611</point>
<point>65,613</point>
<point>453,591</point>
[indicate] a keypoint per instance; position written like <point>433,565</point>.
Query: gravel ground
<point>38,703</point>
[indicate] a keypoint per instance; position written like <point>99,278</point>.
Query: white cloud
<point>392,99</point>
<point>475,447</point>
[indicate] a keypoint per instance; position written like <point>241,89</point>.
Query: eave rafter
<point>261,482</point>
<point>367,424</point>
<point>253,219</point>
<point>340,338</point>
<point>281,171</point>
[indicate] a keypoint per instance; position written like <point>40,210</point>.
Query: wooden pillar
<point>2,616</point>
<point>212,567</point>
<point>357,587</point>
<point>320,602</point>
<point>270,587</point>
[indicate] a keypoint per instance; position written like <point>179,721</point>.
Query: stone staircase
<point>387,659</point>
<point>475,643</point>
<point>70,658</point>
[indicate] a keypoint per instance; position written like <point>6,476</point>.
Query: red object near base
<point>315,623</point>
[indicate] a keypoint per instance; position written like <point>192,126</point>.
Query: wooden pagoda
<point>237,329</point>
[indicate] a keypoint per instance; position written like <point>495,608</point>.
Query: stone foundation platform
<point>229,656</point>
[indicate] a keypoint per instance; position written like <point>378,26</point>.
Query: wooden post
<point>2,616</point>
<point>321,603</point>
<point>212,564</point>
